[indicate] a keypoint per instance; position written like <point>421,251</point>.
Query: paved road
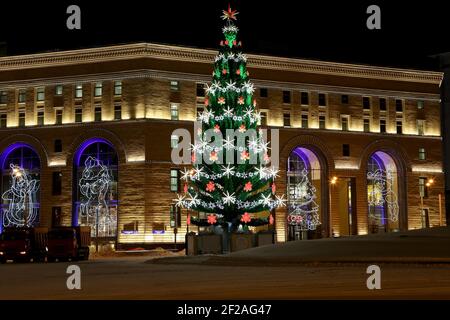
<point>132,278</point>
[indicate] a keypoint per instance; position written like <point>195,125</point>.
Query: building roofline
<point>189,54</point>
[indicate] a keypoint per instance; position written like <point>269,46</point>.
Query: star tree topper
<point>229,14</point>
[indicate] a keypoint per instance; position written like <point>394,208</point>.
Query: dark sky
<point>331,30</point>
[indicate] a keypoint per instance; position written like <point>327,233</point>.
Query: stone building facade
<point>369,137</point>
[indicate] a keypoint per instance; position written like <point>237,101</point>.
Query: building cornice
<point>168,75</point>
<point>195,55</point>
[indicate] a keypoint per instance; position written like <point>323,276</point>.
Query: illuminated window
<point>59,90</point>
<point>3,97</point>
<point>117,88</point>
<point>322,122</point>
<point>98,89</point>
<point>98,114</point>
<point>174,85</point>
<point>174,111</point>
<point>40,94</point>
<point>322,100</point>
<point>174,180</point>
<point>78,91</point>
<point>174,141</point>
<point>22,119</point>
<point>420,104</point>
<point>78,114</point>
<point>40,118</point>
<point>422,154</point>
<point>366,125</point>
<point>58,117</point>
<point>304,121</point>
<point>22,96</point>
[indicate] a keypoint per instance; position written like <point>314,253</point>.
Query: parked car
<point>68,243</point>
<point>23,244</point>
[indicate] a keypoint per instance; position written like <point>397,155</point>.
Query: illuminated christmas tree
<point>231,179</point>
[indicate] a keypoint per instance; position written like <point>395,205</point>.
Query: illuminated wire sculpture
<point>95,185</point>
<point>21,199</point>
<point>303,210</point>
<point>382,193</point>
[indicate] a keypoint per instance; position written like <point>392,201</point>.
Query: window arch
<point>20,200</point>
<point>95,187</point>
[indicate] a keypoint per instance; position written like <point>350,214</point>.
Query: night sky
<point>333,30</point>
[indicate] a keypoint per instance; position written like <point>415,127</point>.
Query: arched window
<point>382,193</point>
<point>20,166</point>
<point>304,194</point>
<point>95,188</point>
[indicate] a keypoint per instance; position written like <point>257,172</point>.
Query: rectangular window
<point>22,96</point>
<point>174,180</point>
<point>287,119</point>
<point>200,110</point>
<point>398,105</point>
<point>286,97</point>
<point>420,104</point>
<point>174,85</point>
<point>346,150</point>
<point>175,216</point>
<point>3,97</point>
<point>322,122</point>
<point>366,103</point>
<point>40,94</point>
<point>79,91</point>
<point>59,90</point>
<point>40,118</point>
<point>174,141</point>
<point>117,88</point>
<point>322,100</point>
<point>420,127</point>
<point>382,126</point>
<point>98,89</point>
<point>56,183</point>
<point>423,190</point>
<point>58,145</point>
<point>304,98</point>
<point>117,112</point>
<point>366,125</point>
<point>304,121</point>
<point>422,154</point>
<point>263,93</point>
<point>174,112</point>
<point>263,119</point>
<point>78,115</point>
<point>399,126</point>
<point>200,89</point>
<point>3,120</point>
<point>382,104</point>
<point>98,114</point>
<point>344,99</point>
<point>344,123</point>
<point>22,119</point>
<point>59,116</point>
